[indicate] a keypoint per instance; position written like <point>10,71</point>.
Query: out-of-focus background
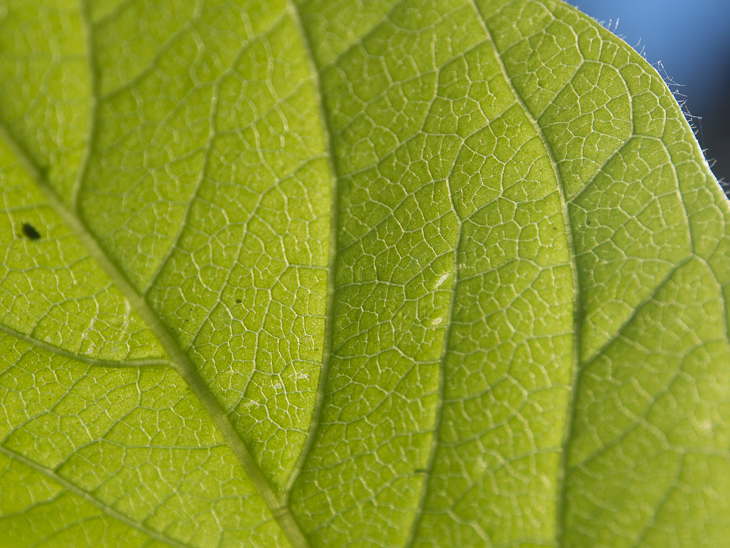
<point>688,41</point>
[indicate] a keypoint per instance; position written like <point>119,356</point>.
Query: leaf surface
<point>332,273</point>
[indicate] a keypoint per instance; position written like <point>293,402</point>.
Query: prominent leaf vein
<point>93,106</point>
<point>637,309</point>
<point>159,52</point>
<point>88,360</point>
<point>105,508</point>
<point>332,259</point>
<point>577,312</point>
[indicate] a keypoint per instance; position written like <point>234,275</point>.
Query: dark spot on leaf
<point>30,232</point>
<point>238,301</point>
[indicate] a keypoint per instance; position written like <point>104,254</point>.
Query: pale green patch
<point>388,273</point>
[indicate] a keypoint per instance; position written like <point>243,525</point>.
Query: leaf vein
<point>577,319</point>
<point>105,508</point>
<point>88,360</point>
<point>332,259</point>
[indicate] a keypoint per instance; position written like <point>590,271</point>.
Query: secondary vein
<point>332,260</point>
<point>88,360</point>
<point>576,370</point>
<point>93,105</point>
<point>106,509</point>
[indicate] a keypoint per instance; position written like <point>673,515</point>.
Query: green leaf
<point>332,273</point>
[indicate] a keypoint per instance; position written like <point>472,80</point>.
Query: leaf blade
<point>455,176</point>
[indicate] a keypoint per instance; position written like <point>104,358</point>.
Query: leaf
<point>336,273</point>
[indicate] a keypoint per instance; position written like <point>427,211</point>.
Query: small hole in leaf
<point>30,232</point>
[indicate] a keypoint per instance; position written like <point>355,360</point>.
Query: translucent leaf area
<point>335,273</point>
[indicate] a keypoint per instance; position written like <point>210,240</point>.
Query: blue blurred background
<point>689,43</point>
